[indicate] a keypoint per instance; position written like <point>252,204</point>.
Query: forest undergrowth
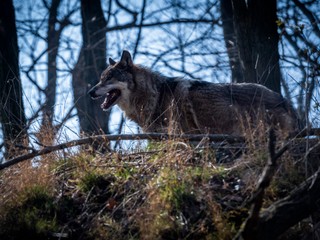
<point>170,189</point>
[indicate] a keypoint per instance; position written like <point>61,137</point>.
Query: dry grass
<point>167,190</point>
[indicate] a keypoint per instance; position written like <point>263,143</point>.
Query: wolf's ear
<point>112,62</point>
<point>126,59</point>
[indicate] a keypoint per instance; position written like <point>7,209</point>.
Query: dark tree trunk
<point>230,41</point>
<point>257,40</point>
<point>11,105</point>
<point>91,63</point>
<point>47,132</point>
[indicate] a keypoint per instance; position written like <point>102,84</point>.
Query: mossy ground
<point>168,190</point>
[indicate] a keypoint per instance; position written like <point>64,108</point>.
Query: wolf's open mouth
<point>110,99</point>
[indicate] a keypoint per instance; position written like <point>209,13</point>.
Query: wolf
<point>165,104</point>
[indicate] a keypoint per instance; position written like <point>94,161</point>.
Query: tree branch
<point>287,212</point>
<point>107,138</point>
<point>314,22</point>
<point>140,28</point>
<point>153,24</point>
<point>251,227</point>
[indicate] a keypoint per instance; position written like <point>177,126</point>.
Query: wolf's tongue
<point>105,104</point>
<point>110,99</point>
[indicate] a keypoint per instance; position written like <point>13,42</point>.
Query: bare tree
<point>231,41</point>
<point>53,41</point>
<point>91,63</point>
<point>173,37</point>
<point>11,105</point>
<point>299,49</point>
<point>257,41</point>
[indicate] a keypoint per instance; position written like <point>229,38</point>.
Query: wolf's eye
<point>115,74</point>
<point>120,75</point>
<point>107,77</point>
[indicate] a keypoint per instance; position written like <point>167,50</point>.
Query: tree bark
<point>257,41</point>
<point>47,132</point>
<point>230,41</point>
<point>91,63</point>
<point>11,105</point>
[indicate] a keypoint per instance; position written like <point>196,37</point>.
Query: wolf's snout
<point>92,93</point>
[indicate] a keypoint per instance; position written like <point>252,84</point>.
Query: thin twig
<point>307,132</point>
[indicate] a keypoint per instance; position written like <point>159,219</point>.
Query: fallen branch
<point>287,212</point>
<point>251,226</point>
<point>108,138</point>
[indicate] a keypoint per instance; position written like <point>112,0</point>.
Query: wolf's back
<point>219,108</point>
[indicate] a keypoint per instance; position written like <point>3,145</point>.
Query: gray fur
<point>161,104</point>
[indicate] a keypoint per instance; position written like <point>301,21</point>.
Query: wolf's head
<point>115,83</point>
